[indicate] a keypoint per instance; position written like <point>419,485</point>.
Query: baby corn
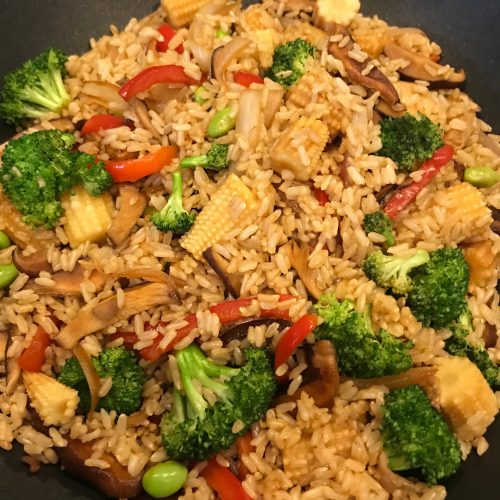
<point>181,12</point>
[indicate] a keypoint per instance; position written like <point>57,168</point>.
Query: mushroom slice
<point>298,254</point>
<point>4,344</point>
<point>395,111</point>
<point>422,68</point>
<point>142,113</point>
<point>232,282</point>
<point>32,264</point>
<point>375,80</point>
<point>66,283</point>
<point>324,389</point>
<point>114,482</point>
<point>133,203</point>
<point>95,317</point>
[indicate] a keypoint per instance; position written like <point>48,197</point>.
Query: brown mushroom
<point>232,281</point>
<point>495,213</point>
<point>423,68</point>
<point>32,264</point>
<point>395,111</point>
<point>68,283</point>
<point>324,389</point>
<point>114,482</point>
<point>142,113</point>
<point>239,329</point>
<point>375,80</point>
<point>4,344</point>
<point>133,203</point>
<point>95,317</point>
<point>298,254</point>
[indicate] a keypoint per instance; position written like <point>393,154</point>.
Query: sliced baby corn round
<point>465,397</point>
<point>54,402</point>
<point>337,11</point>
<point>181,12</point>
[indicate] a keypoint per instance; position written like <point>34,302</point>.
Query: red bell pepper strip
<point>33,357</point>
<point>404,196</point>
<point>101,122</point>
<point>168,33</point>
<point>223,482</point>
<point>244,446</point>
<point>293,337</point>
<point>148,77</point>
<point>246,79</point>
<point>321,196</point>
<point>133,170</point>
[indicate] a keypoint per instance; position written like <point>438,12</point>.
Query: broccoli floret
<point>361,352</point>
<point>35,89</point>
<point>409,140</point>
<point>379,222</point>
<point>459,345</point>
<point>390,271</point>
<point>439,290</point>
<point>173,216</point>
<point>215,159</point>
<point>128,378</point>
<point>195,430</point>
<point>289,61</point>
<point>416,437</point>
<point>39,167</point>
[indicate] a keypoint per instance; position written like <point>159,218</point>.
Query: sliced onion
<point>248,120</point>
<point>142,113</point>
<point>91,375</point>
<point>222,58</point>
<point>273,104</point>
<point>489,142</point>
<point>105,94</point>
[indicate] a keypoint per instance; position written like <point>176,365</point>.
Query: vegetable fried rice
<point>249,253</point>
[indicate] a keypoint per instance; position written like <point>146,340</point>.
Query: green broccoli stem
<point>405,265</point>
<point>195,161</point>
<point>178,411</point>
<point>175,200</point>
<point>41,97</point>
<point>195,399</point>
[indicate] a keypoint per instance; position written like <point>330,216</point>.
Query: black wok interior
<point>469,35</point>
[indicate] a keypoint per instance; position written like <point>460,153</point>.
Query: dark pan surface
<point>469,35</point>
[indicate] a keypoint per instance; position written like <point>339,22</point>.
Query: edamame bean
<point>164,479</point>
<point>199,95</point>
<point>8,273</point>
<point>4,240</point>
<point>481,177</point>
<point>221,123</point>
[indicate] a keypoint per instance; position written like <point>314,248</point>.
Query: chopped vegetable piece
<point>54,402</point>
<point>4,241</point>
<point>200,95</point>
<point>181,12</point>
<point>465,398</point>
<point>221,123</point>
<point>194,429</point>
<point>33,357</point>
<point>101,122</point>
<point>409,140</point>
<point>8,273</point>
<point>173,216</point>
<point>246,79</point>
<point>35,89</point>
<point>293,337</point>
<point>416,437</point>
<point>338,11</point>
<point>220,33</point>
<point>128,378</point>
<point>392,271</point>
<point>321,196</point>
<point>168,33</point>
<point>219,216</point>
<point>215,159</point>
<point>245,447</point>
<point>87,217</point>
<point>405,195</point>
<point>303,160</point>
<point>379,222</point>
<point>360,351</point>
<point>223,482</point>
<point>481,177</point>
<point>153,75</point>
<point>39,167</point>
<point>289,62</point>
<point>133,170</point>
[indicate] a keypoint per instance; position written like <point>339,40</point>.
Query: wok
<point>468,34</point>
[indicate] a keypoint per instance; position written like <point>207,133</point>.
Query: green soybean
<point>221,33</point>
<point>163,480</point>
<point>4,240</point>
<point>221,123</point>
<point>481,177</point>
<point>8,273</point>
<point>200,95</point>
